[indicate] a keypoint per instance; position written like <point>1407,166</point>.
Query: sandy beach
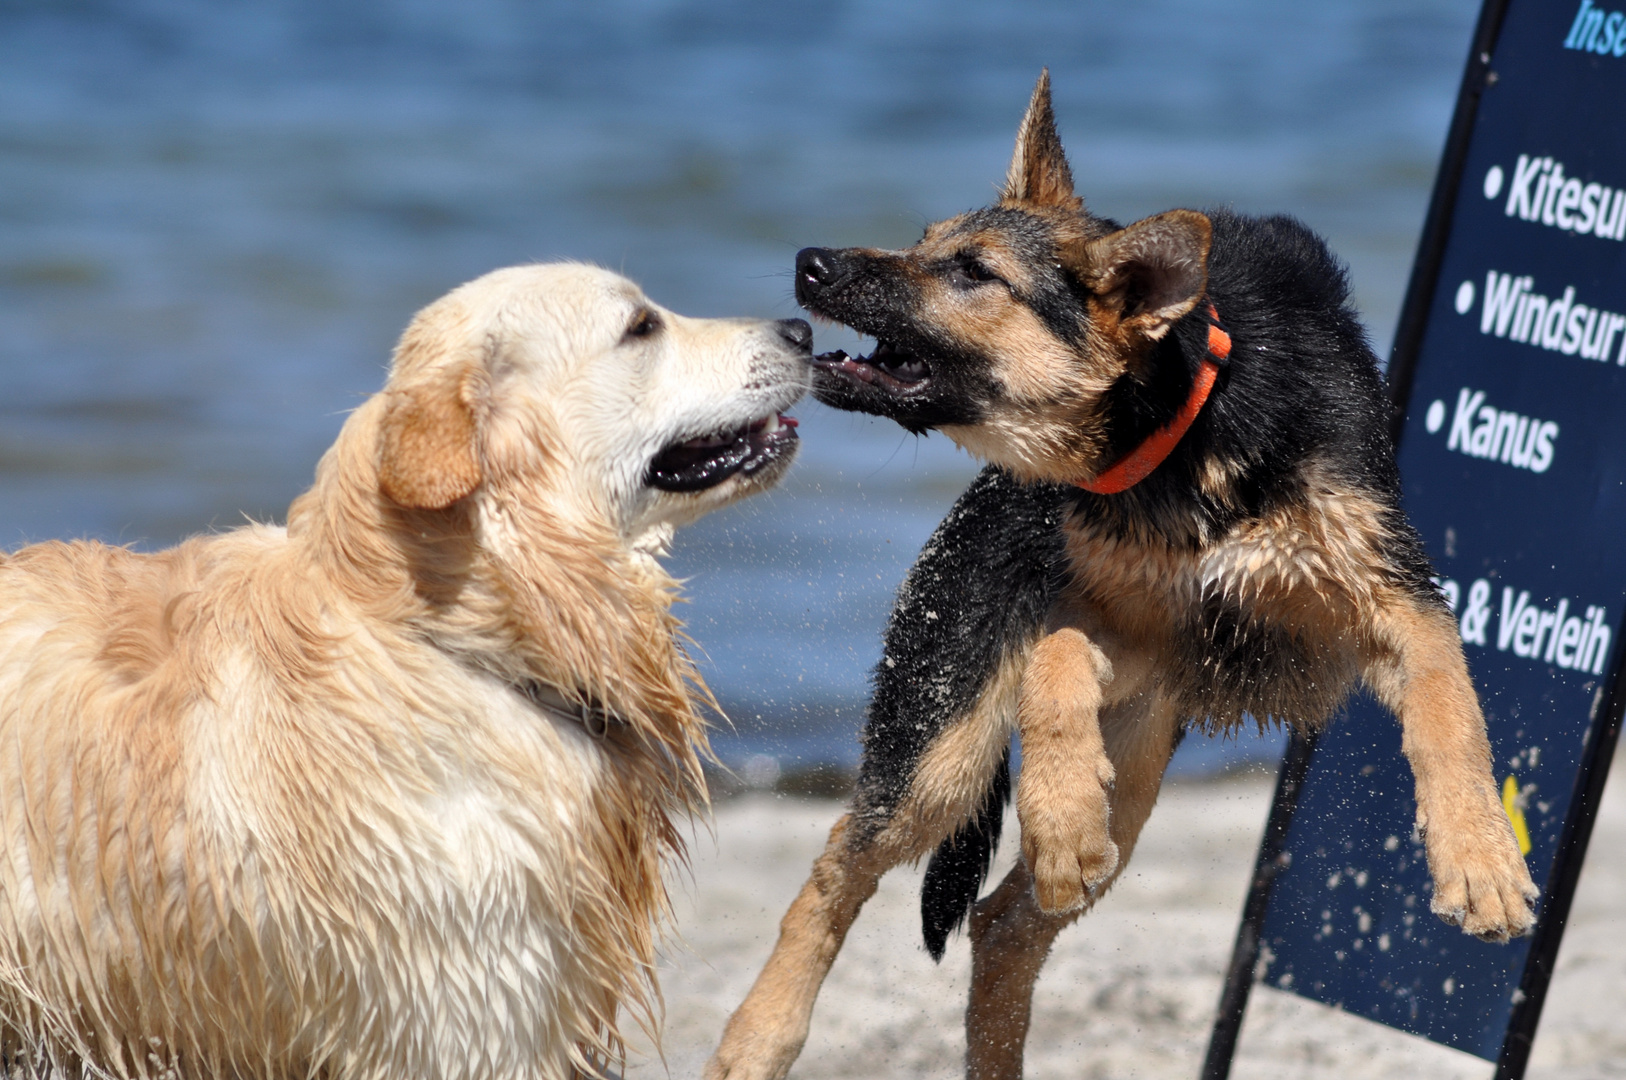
<point>1130,990</point>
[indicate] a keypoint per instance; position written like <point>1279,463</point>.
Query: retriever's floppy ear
<point>1038,174</point>
<point>427,457</point>
<point>1154,272</point>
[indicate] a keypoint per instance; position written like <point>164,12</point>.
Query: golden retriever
<point>386,792</point>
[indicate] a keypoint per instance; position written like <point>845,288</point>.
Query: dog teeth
<point>772,423</point>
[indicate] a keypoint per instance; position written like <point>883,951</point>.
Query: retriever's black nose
<point>815,267</point>
<point>796,332</point>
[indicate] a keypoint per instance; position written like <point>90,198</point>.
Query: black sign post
<point>1509,375</point>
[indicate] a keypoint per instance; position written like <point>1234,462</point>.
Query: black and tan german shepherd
<point>1191,516</point>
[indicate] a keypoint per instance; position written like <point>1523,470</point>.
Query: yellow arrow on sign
<point>1510,803</point>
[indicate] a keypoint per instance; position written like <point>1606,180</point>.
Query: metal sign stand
<point>1239,976</point>
<point>1555,910</point>
<point>1608,705</point>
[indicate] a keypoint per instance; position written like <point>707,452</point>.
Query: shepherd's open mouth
<point>889,367</point>
<point>703,462</point>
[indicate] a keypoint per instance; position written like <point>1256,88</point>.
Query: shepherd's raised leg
<point>1011,934</point>
<point>1416,667</point>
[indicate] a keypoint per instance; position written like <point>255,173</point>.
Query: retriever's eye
<point>643,324</point>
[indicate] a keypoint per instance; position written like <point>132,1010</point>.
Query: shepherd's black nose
<point>796,332</point>
<point>815,268</point>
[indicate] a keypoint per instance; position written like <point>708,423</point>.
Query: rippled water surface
<point>217,217</point>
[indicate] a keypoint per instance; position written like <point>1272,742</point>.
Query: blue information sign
<point>1513,457</point>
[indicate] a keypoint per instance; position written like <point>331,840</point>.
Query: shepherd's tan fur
<point>271,804</point>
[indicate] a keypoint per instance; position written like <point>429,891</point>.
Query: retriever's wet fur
<point>282,801</point>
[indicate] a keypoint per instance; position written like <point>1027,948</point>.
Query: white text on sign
<point>1512,309</point>
<point>1483,431</point>
<point>1557,635</point>
<point>1541,192</point>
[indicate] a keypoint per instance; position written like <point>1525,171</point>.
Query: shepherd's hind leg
<point>1010,940</point>
<point>1011,934</point>
<point>766,1033</point>
<point>1418,670</point>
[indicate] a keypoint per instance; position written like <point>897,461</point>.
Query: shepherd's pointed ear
<point>1039,175</point>
<point>427,458</point>
<point>1154,272</point>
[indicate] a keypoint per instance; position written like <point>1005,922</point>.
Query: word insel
<point>1597,31</point>
<point>1481,431</point>
<point>1541,192</point>
<point>1512,309</point>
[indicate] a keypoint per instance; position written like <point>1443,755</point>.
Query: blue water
<point>215,218</point>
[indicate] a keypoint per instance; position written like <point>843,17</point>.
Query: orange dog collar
<point>1138,464</point>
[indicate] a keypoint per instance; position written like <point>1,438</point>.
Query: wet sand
<point>1130,990</point>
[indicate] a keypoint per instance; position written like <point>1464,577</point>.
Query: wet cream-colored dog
<point>386,793</point>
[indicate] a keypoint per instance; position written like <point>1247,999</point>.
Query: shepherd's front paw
<point>1065,836</point>
<point>1481,882</point>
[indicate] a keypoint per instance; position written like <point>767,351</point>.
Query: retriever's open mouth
<point>889,368</point>
<point>697,464</point>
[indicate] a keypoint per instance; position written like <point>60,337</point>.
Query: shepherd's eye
<point>643,324</point>
<point>976,271</point>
